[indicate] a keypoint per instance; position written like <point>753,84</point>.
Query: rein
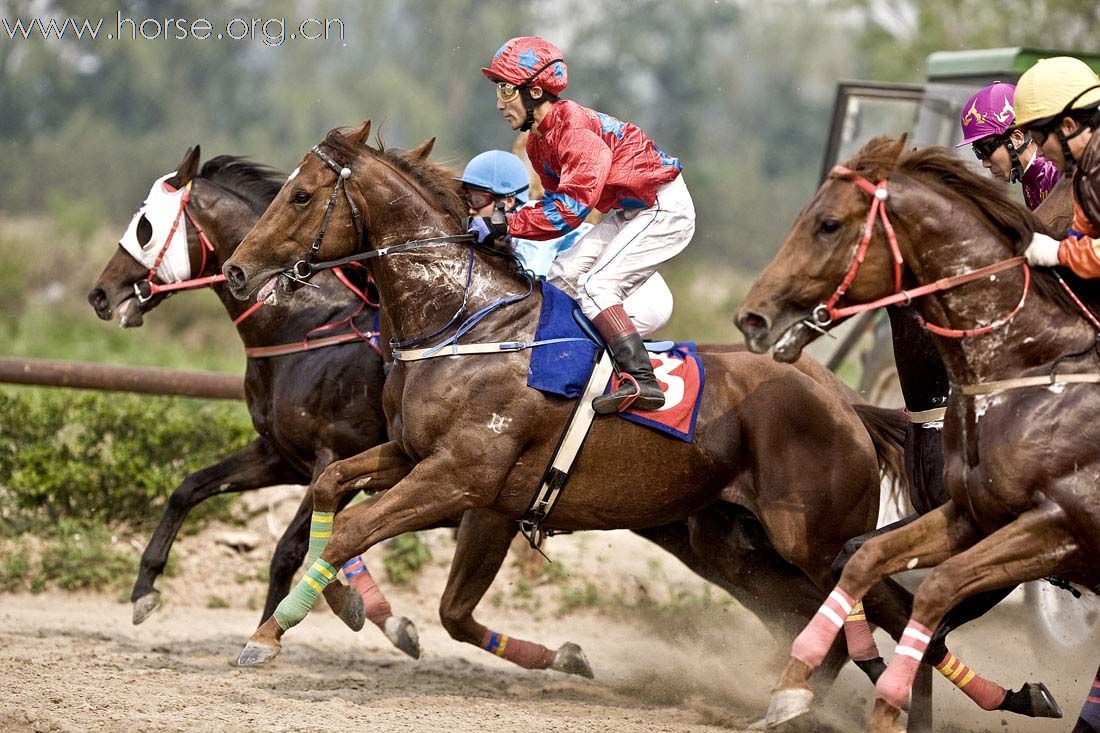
<point>827,312</point>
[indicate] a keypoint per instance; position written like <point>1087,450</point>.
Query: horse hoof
<point>884,718</point>
<point>786,705</point>
<point>1038,701</point>
<point>254,654</point>
<point>571,660</point>
<point>145,605</point>
<point>352,612</point>
<point>402,634</point>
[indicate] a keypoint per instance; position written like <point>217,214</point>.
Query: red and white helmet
<point>530,61</point>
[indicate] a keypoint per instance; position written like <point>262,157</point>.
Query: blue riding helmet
<point>498,171</point>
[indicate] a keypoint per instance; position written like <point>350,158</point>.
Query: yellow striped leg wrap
<point>958,673</point>
<point>857,614</point>
<point>292,609</point>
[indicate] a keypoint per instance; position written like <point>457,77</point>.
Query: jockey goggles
<point>506,91</point>
<point>478,198</point>
<point>984,149</point>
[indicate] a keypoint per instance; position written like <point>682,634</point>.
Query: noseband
<point>827,313</point>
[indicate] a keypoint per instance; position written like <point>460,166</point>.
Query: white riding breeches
<point>621,254</point>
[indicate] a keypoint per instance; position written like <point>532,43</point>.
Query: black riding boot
<point>641,391</point>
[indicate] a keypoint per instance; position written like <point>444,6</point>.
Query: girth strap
<point>568,448</point>
<point>1051,380</point>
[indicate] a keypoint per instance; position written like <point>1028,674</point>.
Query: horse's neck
<point>270,325</point>
<point>1039,334</point>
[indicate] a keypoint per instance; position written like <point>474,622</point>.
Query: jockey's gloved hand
<point>1043,251</point>
<point>486,230</point>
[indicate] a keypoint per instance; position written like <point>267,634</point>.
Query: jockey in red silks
<point>587,159</point>
<point>1059,104</point>
<point>1008,154</point>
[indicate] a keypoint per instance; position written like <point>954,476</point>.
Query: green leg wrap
<point>320,532</point>
<point>292,609</point>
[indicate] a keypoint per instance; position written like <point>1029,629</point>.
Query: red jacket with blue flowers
<point>588,160</point>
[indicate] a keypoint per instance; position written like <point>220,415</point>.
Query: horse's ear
<point>360,134</point>
<point>424,149</point>
<point>189,166</point>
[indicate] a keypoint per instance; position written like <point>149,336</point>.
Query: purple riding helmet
<point>986,119</point>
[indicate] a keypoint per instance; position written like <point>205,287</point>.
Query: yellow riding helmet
<point>1050,85</point>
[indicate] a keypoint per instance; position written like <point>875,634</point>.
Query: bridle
<point>144,290</point>
<point>303,269</point>
<point>827,313</point>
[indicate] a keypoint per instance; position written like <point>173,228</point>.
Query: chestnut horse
<point>302,428</point>
<point>469,433</point>
<point>1020,457</point>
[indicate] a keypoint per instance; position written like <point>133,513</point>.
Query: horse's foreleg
<point>1029,548</point>
<point>926,541</point>
<point>416,502</point>
<point>334,485</point>
<point>483,541</point>
<point>253,467</point>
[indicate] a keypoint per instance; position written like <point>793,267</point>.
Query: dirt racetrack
<point>73,662</point>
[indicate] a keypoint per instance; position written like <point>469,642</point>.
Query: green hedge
<point>104,458</point>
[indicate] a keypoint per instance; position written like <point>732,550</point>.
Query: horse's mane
<point>942,170</point>
<point>254,182</point>
<point>438,180</point>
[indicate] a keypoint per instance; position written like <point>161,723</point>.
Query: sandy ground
<point>665,659</point>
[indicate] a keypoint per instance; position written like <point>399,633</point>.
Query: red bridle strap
<point>879,194</point>
<point>878,208</point>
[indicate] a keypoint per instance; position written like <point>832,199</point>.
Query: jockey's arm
<point>585,164</point>
<point>1078,251</point>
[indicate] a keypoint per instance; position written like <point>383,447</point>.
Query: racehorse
<point>290,411</point>
<point>759,427</point>
<point>1020,466</point>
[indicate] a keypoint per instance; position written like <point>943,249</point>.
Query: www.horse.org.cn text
<point>269,31</point>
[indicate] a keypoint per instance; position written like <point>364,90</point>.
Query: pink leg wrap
<point>896,682</point>
<point>374,603</point>
<point>861,644</point>
<point>988,695</point>
<point>811,646</point>
<point>526,654</point>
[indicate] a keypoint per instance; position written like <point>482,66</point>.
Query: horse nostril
<point>97,298</point>
<point>234,276</point>
<point>752,323</point>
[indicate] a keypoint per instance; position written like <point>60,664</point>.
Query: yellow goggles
<point>506,92</point>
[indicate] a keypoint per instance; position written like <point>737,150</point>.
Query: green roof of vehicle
<point>1005,64</point>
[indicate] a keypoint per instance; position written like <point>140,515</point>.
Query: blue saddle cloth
<point>563,369</point>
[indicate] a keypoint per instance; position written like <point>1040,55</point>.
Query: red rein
<point>827,312</point>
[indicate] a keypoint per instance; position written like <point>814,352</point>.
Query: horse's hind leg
<point>253,467</point>
<point>728,546</point>
<point>483,541</point>
<point>1033,699</point>
<point>1029,548</point>
<point>926,541</point>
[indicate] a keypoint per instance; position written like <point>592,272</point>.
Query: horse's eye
<point>829,226</point>
<point>300,197</point>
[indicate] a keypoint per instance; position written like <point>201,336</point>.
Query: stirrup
<point>626,403</point>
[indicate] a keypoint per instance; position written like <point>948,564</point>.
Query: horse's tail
<point>887,430</point>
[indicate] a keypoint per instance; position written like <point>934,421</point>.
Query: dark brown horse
<point>1021,464</point>
<point>760,426</point>
<point>302,426</point>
